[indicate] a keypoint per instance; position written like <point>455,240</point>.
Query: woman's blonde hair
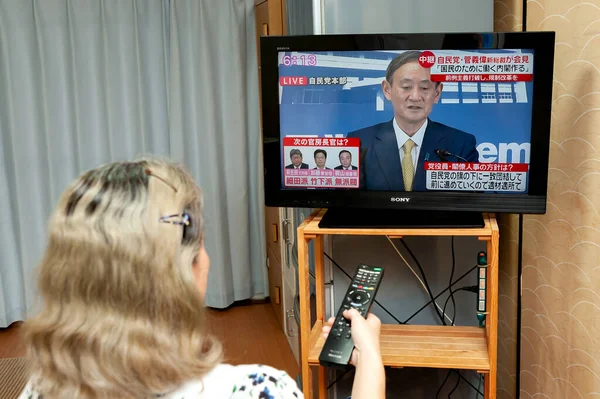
<point>121,315</point>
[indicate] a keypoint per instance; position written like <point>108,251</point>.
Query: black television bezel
<point>534,202</point>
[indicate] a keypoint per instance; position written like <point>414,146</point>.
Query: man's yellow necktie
<point>408,169</point>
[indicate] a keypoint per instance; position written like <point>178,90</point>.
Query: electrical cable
<point>451,293</point>
<point>427,288</point>
<point>471,288</point>
<point>341,376</point>
<point>418,278</point>
<point>375,300</point>
<point>455,385</point>
<point>461,377</point>
<point>470,383</point>
<point>446,301</point>
<point>440,294</point>
<point>450,296</point>
<point>443,383</point>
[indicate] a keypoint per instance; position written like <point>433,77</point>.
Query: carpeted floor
<point>13,376</point>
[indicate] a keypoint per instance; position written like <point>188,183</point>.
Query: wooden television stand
<point>446,347</point>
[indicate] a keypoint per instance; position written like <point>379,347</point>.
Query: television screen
<point>411,124</point>
<point>333,104</point>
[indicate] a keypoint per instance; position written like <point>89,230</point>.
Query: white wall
<point>407,16</point>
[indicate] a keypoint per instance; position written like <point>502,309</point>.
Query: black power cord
<point>460,377</point>
<point>455,387</point>
<point>477,389</point>
<point>471,288</point>
<point>341,376</point>
<point>451,293</point>
<point>437,394</point>
<point>440,294</point>
<point>427,288</point>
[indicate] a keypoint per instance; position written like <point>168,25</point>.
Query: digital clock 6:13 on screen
<point>302,59</point>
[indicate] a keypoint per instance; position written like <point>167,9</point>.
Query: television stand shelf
<point>447,347</point>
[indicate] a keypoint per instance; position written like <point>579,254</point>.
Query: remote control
<point>360,295</point>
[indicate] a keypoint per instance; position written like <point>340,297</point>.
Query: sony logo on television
<point>400,199</point>
<point>283,48</point>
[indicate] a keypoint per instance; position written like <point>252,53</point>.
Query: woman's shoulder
<point>29,392</point>
<point>246,381</point>
<point>252,381</point>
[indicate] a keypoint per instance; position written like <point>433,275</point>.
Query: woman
<point>122,283</point>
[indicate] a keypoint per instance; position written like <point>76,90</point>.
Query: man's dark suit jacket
<point>380,156</point>
<point>302,166</point>
<point>352,167</point>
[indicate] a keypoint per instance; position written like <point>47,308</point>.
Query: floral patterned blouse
<point>227,382</point>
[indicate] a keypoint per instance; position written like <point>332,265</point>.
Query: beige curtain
<point>560,335</point>
<point>86,82</point>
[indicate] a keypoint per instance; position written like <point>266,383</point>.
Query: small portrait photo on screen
<point>296,160</point>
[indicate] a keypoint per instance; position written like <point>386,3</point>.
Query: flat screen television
<point>407,129</point>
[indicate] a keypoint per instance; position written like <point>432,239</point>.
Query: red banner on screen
<point>478,167</point>
<point>482,78</point>
<point>320,142</point>
<point>293,81</point>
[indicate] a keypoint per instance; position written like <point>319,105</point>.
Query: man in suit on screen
<point>393,153</point>
<point>345,161</point>
<point>296,158</point>
<point>321,159</point>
